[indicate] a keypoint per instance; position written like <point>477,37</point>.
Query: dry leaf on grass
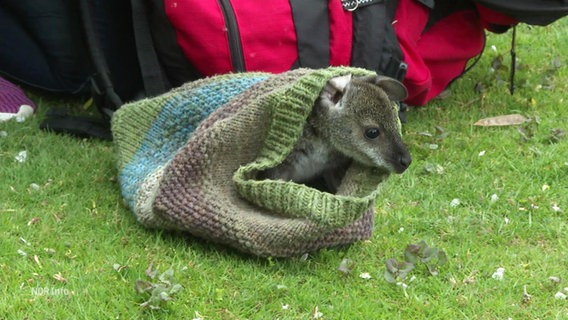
<point>59,277</point>
<point>504,120</point>
<point>34,220</point>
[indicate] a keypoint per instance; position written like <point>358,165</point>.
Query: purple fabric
<point>12,97</point>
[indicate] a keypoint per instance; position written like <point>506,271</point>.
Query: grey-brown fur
<point>341,128</point>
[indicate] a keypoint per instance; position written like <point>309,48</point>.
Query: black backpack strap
<point>375,46</point>
<point>58,120</point>
<point>154,77</point>
<point>311,20</point>
<point>105,97</point>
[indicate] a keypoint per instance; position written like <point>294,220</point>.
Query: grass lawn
<point>489,197</point>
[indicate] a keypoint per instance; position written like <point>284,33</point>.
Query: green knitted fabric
<point>188,161</point>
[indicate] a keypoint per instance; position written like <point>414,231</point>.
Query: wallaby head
<point>355,115</point>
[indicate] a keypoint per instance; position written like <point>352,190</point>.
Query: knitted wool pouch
<point>188,160</point>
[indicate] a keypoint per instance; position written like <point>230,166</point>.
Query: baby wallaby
<point>352,120</point>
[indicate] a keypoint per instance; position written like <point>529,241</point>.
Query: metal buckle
<point>350,5</point>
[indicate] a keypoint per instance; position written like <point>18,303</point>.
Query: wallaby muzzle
<point>401,159</point>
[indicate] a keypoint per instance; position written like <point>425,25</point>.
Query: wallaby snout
<point>403,161</point>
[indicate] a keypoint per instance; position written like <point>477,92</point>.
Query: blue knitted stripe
<point>171,130</point>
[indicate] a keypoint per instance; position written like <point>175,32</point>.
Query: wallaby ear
<point>339,83</point>
<point>334,90</point>
<point>394,89</point>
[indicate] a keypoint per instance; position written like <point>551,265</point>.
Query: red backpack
<point>424,45</point>
<point>187,39</point>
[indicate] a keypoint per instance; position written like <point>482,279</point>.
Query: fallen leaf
<point>317,314</point>
<point>56,217</point>
<point>88,104</point>
<point>150,272</point>
<point>34,220</point>
<point>36,259</point>
<point>444,94</point>
<point>560,296</point>
<point>425,134</point>
<point>365,275</point>
<point>142,286</point>
<point>504,120</point>
<point>498,274</point>
<point>470,279</point>
<point>346,266</point>
<point>556,135</point>
<point>118,267</point>
<point>455,202</point>
<point>526,296</point>
<point>70,255</point>
<point>22,156</point>
<point>432,168</point>
<point>497,63</point>
<point>556,63</point>
<point>479,87</point>
<point>165,296</point>
<point>59,277</point>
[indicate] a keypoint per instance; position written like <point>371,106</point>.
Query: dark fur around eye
<point>372,133</point>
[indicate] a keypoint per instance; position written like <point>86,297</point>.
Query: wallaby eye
<point>372,133</point>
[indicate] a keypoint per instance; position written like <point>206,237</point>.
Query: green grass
<point>76,232</point>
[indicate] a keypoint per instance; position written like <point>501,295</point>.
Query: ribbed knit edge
<point>290,109</point>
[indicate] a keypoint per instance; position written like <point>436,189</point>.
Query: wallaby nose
<point>404,161</point>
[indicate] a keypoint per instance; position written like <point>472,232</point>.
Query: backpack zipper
<point>234,37</point>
